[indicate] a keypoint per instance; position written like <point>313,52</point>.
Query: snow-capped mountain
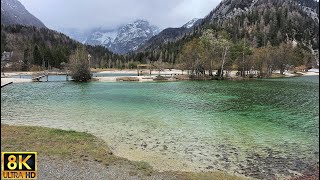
<point>100,36</point>
<point>13,12</point>
<point>123,39</point>
<point>191,23</point>
<point>170,34</point>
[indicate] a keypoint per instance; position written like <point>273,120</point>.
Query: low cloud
<point>85,14</point>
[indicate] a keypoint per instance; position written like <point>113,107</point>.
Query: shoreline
<point>87,149</point>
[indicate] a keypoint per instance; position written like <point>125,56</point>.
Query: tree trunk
<point>210,70</point>
<point>223,61</point>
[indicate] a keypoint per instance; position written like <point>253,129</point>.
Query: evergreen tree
<point>37,57</point>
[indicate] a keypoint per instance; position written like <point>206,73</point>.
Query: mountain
<point>260,21</point>
<point>266,21</point>
<point>13,12</point>
<point>231,8</point>
<point>192,23</point>
<point>131,36</point>
<point>120,40</point>
<point>169,35</point>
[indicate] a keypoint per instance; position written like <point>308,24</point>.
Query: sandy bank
<point>14,80</point>
<point>17,73</point>
<point>119,78</point>
<point>310,73</point>
<point>145,71</point>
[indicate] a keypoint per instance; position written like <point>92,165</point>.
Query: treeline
<point>216,51</point>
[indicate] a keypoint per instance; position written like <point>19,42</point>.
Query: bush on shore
<point>80,65</point>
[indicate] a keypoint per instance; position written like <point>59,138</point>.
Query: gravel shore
<point>58,168</point>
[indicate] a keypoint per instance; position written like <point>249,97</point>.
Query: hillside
<point>260,21</point>
<point>42,46</point>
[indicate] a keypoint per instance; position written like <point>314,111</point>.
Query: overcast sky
<point>83,14</point>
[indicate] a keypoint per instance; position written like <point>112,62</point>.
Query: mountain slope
<point>13,12</point>
<point>264,21</point>
<point>192,23</point>
<point>169,35</point>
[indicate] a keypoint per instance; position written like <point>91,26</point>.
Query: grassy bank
<point>79,147</point>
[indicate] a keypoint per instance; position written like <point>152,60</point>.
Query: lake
<point>257,127</point>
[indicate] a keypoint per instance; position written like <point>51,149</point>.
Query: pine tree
<point>37,57</point>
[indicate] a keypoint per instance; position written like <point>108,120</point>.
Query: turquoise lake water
<point>259,128</point>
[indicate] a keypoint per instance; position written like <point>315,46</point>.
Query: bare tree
<point>80,65</point>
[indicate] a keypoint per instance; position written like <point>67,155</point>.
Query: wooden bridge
<point>36,77</point>
<point>39,76</point>
<point>6,84</point>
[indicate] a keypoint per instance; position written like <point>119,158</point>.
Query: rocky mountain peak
<point>125,38</point>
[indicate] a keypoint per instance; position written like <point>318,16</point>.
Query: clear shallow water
<point>259,127</point>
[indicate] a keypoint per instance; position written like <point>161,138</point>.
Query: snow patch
<point>190,23</point>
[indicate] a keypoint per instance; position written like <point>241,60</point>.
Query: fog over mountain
<point>108,14</point>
